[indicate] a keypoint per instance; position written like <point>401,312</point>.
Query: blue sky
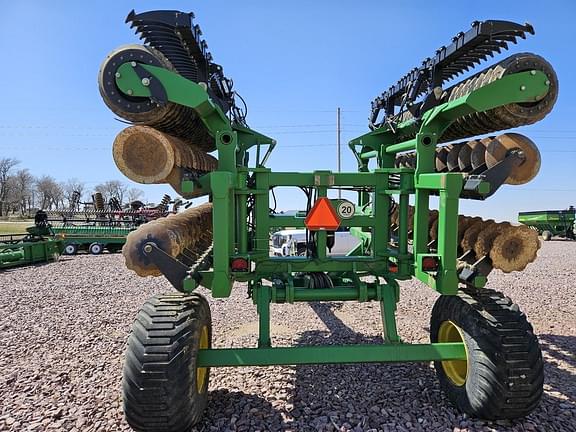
<point>294,63</point>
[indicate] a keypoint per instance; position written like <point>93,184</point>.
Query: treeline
<point>22,193</point>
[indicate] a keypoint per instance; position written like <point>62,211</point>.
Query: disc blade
<point>506,143</point>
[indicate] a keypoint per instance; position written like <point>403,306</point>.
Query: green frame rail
<point>331,354</point>
<point>275,279</point>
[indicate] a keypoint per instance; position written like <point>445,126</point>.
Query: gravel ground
<point>63,328</point>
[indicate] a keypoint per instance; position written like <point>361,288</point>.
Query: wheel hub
<point>455,370</point>
<point>201,371</point>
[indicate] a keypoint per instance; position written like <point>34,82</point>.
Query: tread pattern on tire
<point>506,375</point>
<point>159,380</point>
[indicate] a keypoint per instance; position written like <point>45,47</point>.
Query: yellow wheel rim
<point>455,370</point>
<point>201,372</point>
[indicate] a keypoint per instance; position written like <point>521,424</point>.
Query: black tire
<point>96,248</point>
<point>163,390</point>
<point>546,235</point>
<point>504,372</point>
<point>70,249</point>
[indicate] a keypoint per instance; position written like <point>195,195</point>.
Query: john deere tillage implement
<point>486,356</point>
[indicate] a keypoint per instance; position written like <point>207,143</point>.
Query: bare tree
<point>112,189</point>
<point>6,165</point>
<point>73,191</point>
<point>50,193</point>
<point>11,199</point>
<point>23,190</point>
<point>134,194</point>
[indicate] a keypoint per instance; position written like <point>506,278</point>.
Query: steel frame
<point>274,279</point>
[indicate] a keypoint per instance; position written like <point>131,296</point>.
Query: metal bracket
<point>495,177</point>
<point>475,267</point>
<point>157,90</point>
<point>363,292</point>
<point>289,285</point>
<point>172,269</point>
<point>192,175</point>
<point>323,179</point>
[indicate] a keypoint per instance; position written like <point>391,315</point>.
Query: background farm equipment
<point>486,356</point>
<point>550,223</point>
<point>38,245</point>
<point>103,226</point>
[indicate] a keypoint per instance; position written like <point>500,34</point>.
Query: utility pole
<point>338,146</point>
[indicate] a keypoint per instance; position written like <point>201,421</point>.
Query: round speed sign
<point>345,209</point>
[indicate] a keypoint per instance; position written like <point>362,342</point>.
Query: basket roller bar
<point>174,35</point>
<point>483,40</point>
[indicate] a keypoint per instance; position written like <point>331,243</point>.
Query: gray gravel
<point>63,327</point>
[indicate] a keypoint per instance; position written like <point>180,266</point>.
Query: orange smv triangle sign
<point>322,216</point>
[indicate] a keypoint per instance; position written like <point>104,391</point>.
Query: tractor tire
<point>96,248</point>
<point>503,375</point>
<point>546,235</point>
<point>163,389</point>
<point>70,249</point>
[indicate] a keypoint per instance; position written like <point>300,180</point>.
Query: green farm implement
<point>37,246</point>
<point>549,223</point>
<point>486,355</point>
